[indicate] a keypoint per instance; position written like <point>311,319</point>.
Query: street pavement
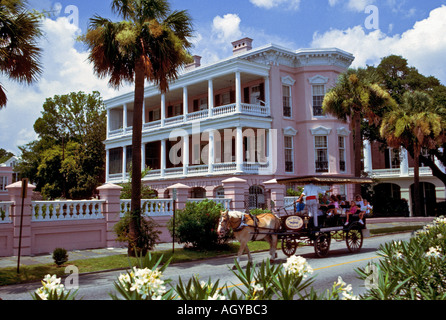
<point>372,223</point>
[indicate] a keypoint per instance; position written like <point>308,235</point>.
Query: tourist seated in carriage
<point>299,206</point>
<point>333,207</point>
<point>366,208</point>
<point>354,209</point>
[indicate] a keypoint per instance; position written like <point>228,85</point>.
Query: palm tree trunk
<point>357,148</point>
<point>135,222</point>
<point>417,203</point>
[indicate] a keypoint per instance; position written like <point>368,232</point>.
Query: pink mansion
<point>256,115</point>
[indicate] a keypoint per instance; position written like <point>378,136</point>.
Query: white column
<point>108,123</point>
<point>124,163</point>
<point>404,166</point>
<point>143,157</point>
<point>238,92</point>
<point>107,166</point>
<point>185,154</point>
<point>268,95</point>
<point>124,118</point>
<point>185,103</point>
<point>211,148</point>
<point>211,97</point>
<point>239,149</point>
<point>368,165</point>
<point>143,113</point>
<point>163,109</point>
<point>163,158</point>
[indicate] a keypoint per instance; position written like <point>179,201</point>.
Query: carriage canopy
<point>326,180</point>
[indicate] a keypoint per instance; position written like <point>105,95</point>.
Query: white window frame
<point>318,80</point>
<point>289,83</point>
<point>342,153</point>
<point>289,149</point>
<point>287,99</point>
<point>316,148</point>
<point>3,183</point>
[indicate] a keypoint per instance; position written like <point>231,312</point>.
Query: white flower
<point>298,266</point>
<point>258,288</point>
<point>434,252</point>
<point>217,296</point>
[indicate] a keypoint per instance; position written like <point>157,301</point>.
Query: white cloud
<point>424,45</point>
<point>269,4</point>
<point>353,5</point>
<point>227,28</point>
<point>65,70</point>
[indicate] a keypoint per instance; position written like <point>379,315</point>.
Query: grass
<point>35,273</point>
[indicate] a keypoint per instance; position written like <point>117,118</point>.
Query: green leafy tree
<point>150,44</point>
<point>19,53</point>
<point>5,155</point>
<point>356,96</point>
<point>68,159</point>
<point>414,124</point>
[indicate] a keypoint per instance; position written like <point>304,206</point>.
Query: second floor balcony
<point>238,88</point>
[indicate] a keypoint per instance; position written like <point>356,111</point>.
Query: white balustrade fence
<point>5,212</point>
<point>67,210</point>
<point>151,207</point>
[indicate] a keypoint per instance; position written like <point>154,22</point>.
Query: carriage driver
<point>311,192</point>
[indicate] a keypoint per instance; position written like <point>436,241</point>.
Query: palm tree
<point>416,124</point>
<point>151,43</point>
<point>19,53</point>
<point>356,96</point>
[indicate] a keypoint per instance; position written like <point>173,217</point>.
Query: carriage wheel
<point>289,246</point>
<point>322,245</point>
<point>354,239</point>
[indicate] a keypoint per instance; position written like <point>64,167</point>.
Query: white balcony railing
<point>246,109</point>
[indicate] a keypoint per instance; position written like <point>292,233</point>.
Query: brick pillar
<point>182,194</point>
<point>15,195</point>
<point>111,209</point>
<point>277,192</point>
<point>235,189</point>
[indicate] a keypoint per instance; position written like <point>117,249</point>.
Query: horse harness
<point>244,224</point>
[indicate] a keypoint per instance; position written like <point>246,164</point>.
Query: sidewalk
<point>372,223</point>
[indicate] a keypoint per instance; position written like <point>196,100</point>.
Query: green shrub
<point>197,224</point>
<point>60,256</point>
<point>410,270</point>
<point>149,233</point>
<point>256,212</point>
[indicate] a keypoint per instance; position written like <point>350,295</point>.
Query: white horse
<point>247,229</point>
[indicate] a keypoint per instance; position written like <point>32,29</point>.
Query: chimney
<point>242,46</point>
<point>195,64</point>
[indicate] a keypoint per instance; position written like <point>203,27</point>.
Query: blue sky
<point>411,28</point>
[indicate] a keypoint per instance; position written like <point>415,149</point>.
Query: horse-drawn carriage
<point>293,228</point>
<point>298,228</point>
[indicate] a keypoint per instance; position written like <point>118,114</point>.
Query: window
<point>255,95</point>
<point>128,160</point>
<point>392,158</point>
<point>318,99</point>
<point>321,147</point>
<point>342,157</point>
<point>289,154</point>
<point>220,193</point>
<point>3,183</point>
<point>287,101</point>
<point>115,160</point>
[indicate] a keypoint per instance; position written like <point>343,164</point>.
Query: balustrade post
<point>182,195</point>
<point>111,210</point>
<point>235,189</point>
<point>15,195</point>
<point>277,192</point>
